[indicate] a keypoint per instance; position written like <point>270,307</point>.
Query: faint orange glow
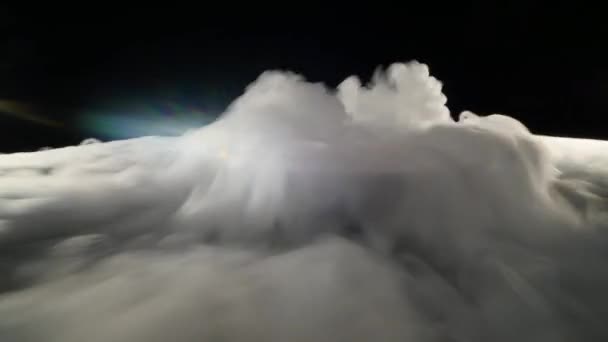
<point>24,112</point>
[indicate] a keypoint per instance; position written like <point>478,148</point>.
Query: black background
<point>543,63</point>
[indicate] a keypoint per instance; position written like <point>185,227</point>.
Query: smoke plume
<point>362,213</point>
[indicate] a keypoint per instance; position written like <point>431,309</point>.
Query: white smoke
<point>308,214</point>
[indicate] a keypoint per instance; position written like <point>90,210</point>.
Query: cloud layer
<point>311,214</point>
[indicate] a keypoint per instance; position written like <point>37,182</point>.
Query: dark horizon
<point>541,65</point>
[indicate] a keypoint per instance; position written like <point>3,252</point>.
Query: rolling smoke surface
<point>362,213</point>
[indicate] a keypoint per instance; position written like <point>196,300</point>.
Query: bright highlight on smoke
<point>308,214</point>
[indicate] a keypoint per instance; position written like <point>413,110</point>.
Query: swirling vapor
<point>304,213</point>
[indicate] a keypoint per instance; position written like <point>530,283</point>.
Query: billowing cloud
<point>311,214</point>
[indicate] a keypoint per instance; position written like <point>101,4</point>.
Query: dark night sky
<point>545,65</point>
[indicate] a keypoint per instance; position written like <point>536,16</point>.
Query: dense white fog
<point>362,213</point>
